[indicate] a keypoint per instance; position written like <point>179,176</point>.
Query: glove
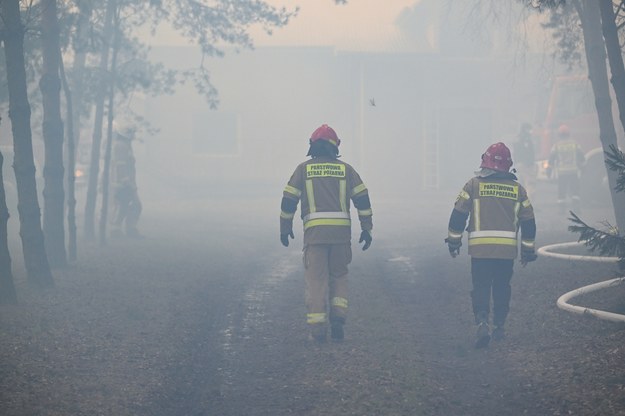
<point>284,238</point>
<point>365,236</point>
<point>454,246</point>
<point>527,255</point>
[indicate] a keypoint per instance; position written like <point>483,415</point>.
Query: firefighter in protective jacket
<point>326,185</point>
<point>568,159</point>
<point>127,205</point>
<point>496,206</point>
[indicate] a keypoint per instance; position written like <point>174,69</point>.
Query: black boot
<point>483,331</point>
<point>336,329</point>
<point>499,333</point>
<point>318,333</point>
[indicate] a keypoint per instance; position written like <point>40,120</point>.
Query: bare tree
<point>594,45</point>
<point>50,85</point>
<point>35,257</point>
<point>7,289</point>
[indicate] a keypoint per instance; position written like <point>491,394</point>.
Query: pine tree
<point>607,241</point>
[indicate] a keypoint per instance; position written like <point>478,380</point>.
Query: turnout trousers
<point>326,282</point>
<point>491,276</point>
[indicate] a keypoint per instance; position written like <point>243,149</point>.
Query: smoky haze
<point>413,116</point>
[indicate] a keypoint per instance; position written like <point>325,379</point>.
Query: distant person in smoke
<point>567,159</point>
<point>525,157</point>
<point>496,205</point>
<point>326,186</point>
<point>126,203</point>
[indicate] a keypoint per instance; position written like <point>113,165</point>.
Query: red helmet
<point>564,131</point>
<point>497,157</point>
<point>326,133</point>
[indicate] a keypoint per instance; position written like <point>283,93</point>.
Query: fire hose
<point>564,299</point>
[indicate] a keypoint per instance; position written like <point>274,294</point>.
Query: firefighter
<point>496,205</point>
<point>568,159</point>
<point>126,203</point>
<point>325,186</point>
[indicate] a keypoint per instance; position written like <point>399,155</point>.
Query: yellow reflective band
<point>315,318</point>
<point>463,195</point>
<point>323,170</point>
<point>293,190</point>
<point>287,215</point>
<point>311,196</point>
<point>343,194</point>
<point>365,212</point>
<point>499,190</point>
<point>327,221</point>
<point>358,189</point>
<point>526,203</point>
<point>326,215</point>
<point>476,214</point>
<point>493,233</point>
<point>527,243</point>
<point>339,302</point>
<point>499,241</point>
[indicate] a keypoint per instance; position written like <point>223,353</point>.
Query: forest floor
<point>205,316</point>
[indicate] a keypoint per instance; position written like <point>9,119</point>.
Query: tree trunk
<point>33,246</point>
<point>615,58</point>
<point>7,289</point>
<point>598,73</point>
<point>80,57</point>
<point>94,169</point>
<point>71,165</point>
<point>50,85</point>
<point>109,136</point>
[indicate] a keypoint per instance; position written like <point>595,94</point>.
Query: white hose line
<point>546,251</point>
<point>608,316</point>
<point>563,300</point>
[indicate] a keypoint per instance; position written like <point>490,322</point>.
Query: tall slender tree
<point>615,54</point>
<point>7,289</point>
<point>594,45</point>
<point>50,85</point>
<point>94,168</point>
<point>35,257</point>
<point>71,165</point>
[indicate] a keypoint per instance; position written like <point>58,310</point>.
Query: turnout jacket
<point>496,205</point>
<point>567,156</point>
<point>325,186</point>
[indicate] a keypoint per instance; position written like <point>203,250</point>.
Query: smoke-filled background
<point>415,90</point>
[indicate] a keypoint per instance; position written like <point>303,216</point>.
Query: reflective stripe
<point>500,241</point>
<point>293,190</point>
<point>311,196</point>
<point>315,318</point>
<point>358,189</point>
<point>327,221</point>
<point>492,233</point>
<point>318,215</point>
<point>526,203</point>
<point>365,212</point>
<point>340,302</point>
<point>343,194</point>
<point>287,215</point>
<point>464,194</point>
<point>517,207</point>
<point>454,235</point>
<point>527,243</point>
<point>476,214</point>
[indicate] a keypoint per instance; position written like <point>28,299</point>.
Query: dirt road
<point>205,316</point>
